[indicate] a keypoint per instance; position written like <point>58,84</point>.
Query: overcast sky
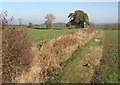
<point>98,12</point>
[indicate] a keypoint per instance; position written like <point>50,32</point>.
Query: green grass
<point>38,27</point>
<point>111,54</point>
<point>72,68</point>
<point>73,71</point>
<point>108,69</point>
<point>98,29</point>
<point>44,34</point>
<point>113,37</point>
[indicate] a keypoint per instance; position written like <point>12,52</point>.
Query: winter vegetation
<point>78,51</point>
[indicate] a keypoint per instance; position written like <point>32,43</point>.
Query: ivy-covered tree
<point>78,19</point>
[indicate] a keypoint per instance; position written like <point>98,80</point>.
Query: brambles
<point>16,55</point>
<point>16,52</point>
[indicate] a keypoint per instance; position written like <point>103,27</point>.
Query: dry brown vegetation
<point>52,53</point>
<point>16,55</point>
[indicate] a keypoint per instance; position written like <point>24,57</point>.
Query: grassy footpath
<point>38,34</point>
<point>73,70</point>
<point>106,68</point>
<point>107,71</point>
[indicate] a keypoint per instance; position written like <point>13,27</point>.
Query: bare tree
<point>15,49</point>
<point>49,20</point>
<point>4,20</point>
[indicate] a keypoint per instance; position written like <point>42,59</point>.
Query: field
<point>107,71</point>
<point>74,70</point>
<point>46,35</point>
<point>55,43</point>
<point>72,56</point>
<point>103,71</point>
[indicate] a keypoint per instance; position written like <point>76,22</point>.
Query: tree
<point>78,19</point>
<point>49,20</point>
<point>30,25</point>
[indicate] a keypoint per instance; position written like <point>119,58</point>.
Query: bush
<point>16,53</point>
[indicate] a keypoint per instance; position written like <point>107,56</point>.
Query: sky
<point>98,12</point>
<point>60,0</point>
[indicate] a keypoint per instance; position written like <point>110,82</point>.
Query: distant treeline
<point>54,24</point>
<point>92,25</point>
<point>105,26</point>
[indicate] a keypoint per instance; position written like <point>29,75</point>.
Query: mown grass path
<point>80,68</point>
<point>108,70</point>
<point>95,62</point>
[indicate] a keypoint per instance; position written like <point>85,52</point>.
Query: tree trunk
<point>82,25</point>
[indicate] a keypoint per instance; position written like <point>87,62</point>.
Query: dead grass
<point>93,59</point>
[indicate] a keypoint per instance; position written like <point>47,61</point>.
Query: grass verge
<point>68,71</point>
<point>107,71</point>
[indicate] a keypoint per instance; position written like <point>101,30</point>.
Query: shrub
<point>15,52</point>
